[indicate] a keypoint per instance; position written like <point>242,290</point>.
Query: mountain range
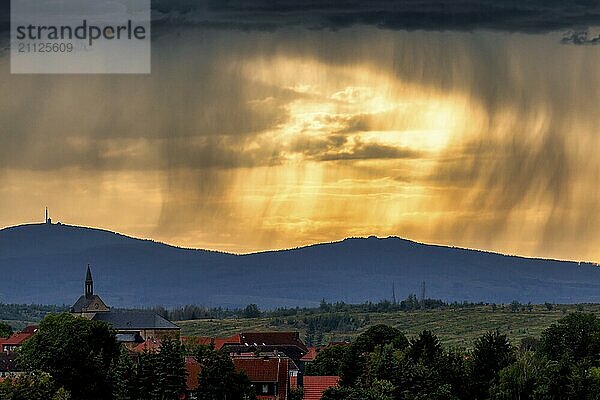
<point>46,264</point>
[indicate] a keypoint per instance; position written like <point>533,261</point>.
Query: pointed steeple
<point>89,283</point>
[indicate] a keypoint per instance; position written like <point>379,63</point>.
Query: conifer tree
<point>124,377</point>
<point>146,379</point>
<point>219,379</point>
<point>171,369</point>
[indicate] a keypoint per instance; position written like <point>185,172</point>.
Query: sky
<point>280,124</point>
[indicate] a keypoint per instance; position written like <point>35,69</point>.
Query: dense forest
<point>383,364</point>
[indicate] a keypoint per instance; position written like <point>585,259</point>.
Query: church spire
<point>89,283</point>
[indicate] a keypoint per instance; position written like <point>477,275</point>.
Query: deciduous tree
<point>76,352</point>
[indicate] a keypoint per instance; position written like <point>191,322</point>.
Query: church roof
<point>83,302</point>
<point>134,319</point>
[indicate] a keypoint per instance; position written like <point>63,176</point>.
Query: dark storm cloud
<point>580,37</point>
<point>4,12</point>
<point>532,16</point>
<point>4,25</point>
<point>180,116</point>
<point>336,147</point>
<point>507,15</point>
<point>463,15</point>
<point>371,151</point>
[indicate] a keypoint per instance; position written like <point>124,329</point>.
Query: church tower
<point>89,284</point>
<point>89,303</point>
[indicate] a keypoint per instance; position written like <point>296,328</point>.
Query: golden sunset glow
<point>265,146</point>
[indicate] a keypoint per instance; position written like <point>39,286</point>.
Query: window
<point>265,388</point>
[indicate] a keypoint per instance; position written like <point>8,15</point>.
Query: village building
<point>286,343</point>
<point>214,342</point>
<point>132,326</point>
<point>273,361</point>
<point>310,355</point>
<point>9,345</point>
<point>269,376</point>
<point>8,348</point>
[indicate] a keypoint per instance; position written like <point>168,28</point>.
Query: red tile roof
<point>260,369</point>
<point>218,343</point>
<point>311,355</point>
<point>17,339</point>
<point>30,329</point>
<point>150,345</point>
<point>314,386</point>
<point>265,370</point>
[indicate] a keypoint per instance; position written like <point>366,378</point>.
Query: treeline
<point>35,312</point>
<point>27,312</point>
<point>279,315</point>
<point>411,303</point>
<point>382,364</point>
<point>192,311</point>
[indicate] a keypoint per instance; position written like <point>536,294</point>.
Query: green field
<point>455,326</point>
<point>17,325</point>
<point>18,316</point>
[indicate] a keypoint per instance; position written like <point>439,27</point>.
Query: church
<point>132,326</point>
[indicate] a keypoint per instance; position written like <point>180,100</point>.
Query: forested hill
<point>42,263</point>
